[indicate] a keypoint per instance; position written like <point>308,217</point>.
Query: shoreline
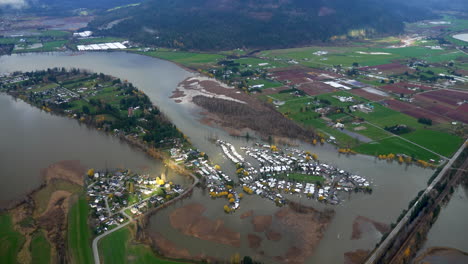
<point>152,152</point>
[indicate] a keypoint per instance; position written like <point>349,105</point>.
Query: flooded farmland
<point>393,185</point>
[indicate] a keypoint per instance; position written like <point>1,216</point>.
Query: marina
<point>291,171</point>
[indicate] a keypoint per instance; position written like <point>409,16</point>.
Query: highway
<point>390,238</point>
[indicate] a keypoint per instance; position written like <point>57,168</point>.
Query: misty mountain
<point>226,24</point>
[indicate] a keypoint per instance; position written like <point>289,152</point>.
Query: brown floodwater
<point>31,139</point>
<point>449,230</point>
<point>394,185</point>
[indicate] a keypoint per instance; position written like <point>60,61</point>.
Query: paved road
<point>130,219</point>
<point>421,221</point>
<point>390,238</point>
<point>461,50</point>
<point>107,206</point>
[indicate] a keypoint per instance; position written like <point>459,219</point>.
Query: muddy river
<point>31,139</point>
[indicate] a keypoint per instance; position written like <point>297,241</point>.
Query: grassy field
<point>292,107</point>
<point>440,142</point>
<point>254,63</point>
<point>40,249</point>
<point>335,102</point>
<point>383,116</point>
<point>42,197</point>
<point>79,234</point>
<point>267,83</point>
<point>188,59</point>
<point>300,177</point>
<point>370,131</point>
<point>395,145</point>
<point>10,240</point>
<point>437,141</point>
<point>117,248</point>
<point>46,47</point>
<point>346,56</point>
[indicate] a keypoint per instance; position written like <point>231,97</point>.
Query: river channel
<point>448,229</point>
<point>31,140</point>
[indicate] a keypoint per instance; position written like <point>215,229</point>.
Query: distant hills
<point>227,24</point>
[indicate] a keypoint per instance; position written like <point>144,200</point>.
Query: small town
<point>121,194</point>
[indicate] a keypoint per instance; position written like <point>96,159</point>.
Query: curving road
<point>130,219</point>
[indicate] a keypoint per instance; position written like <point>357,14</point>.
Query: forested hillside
<point>226,24</point>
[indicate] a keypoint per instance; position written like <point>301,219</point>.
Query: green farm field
<point>117,248</point>
<point>79,233</point>
<point>364,56</point>
<point>11,241</point>
<point>395,145</point>
<point>267,83</point>
<point>40,248</point>
<point>300,177</point>
<point>383,116</point>
<point>440,142</point>
<point>188,59</point>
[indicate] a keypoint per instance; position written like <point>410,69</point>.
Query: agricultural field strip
<point>376,126</point>
<point>409,141</point>
<point>130,219</point>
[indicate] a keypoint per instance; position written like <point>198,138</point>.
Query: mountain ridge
<point>223,24</point>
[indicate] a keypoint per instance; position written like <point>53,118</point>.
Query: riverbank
<point>45,212</point>
<point>440,255</point>
<point>101,101</point>
<point>156,78</point>
<point>235,111</point>
<point>47,209</point>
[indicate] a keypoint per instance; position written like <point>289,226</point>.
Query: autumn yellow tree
<point>400,159</point>
<point>90,172</point>
<point>236,259</point>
